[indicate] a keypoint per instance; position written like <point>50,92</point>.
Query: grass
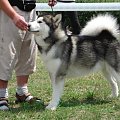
<point>84,98</point>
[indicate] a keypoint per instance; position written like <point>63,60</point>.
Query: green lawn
<point>84,98</point>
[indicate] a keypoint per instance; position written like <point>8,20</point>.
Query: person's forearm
<point>18,20</point>
<point>7,8</point>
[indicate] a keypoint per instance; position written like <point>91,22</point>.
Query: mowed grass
<point>84,98</point>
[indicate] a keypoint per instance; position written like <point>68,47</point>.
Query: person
<point>72,15</point>
<point>17,49</point>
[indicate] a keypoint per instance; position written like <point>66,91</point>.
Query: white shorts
<point>17,48</point>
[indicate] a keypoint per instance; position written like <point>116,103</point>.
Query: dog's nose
<point>29,27</point>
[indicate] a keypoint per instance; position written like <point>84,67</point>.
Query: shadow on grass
<point>16,108</point>
<point>38,107</point>
<point>76,102</point>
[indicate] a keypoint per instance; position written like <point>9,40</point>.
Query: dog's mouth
<point>34,31</point>
<point>30,29</point>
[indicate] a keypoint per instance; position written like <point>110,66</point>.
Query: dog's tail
<point>97,25</point>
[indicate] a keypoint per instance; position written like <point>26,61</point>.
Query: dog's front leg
<point>58,86</point>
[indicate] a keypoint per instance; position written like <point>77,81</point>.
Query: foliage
<point>84,16</point>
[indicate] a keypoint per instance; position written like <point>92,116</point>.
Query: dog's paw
<point>51,107</point>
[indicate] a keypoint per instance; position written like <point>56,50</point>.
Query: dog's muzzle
<point>30,29</point>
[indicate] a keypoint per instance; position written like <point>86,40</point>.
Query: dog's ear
<point>57,19</point>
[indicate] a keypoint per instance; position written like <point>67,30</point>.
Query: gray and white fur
<point>96,48</point>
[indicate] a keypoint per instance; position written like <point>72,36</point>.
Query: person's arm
<point>17,19</point>
<point>7,8</point>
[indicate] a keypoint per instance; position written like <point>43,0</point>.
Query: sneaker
<point>4,104</point>
<point>26,98</point>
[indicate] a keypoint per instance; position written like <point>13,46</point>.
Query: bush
<point>85,16</point>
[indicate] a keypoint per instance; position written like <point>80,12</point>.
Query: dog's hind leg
<point>117,77</point>
<point>112,77</point>
<point>58,87</point>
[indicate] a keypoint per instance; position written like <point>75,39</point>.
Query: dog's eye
<point>39,21</point>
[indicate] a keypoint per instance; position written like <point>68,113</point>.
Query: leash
<point>52,10</point>
<point>52,3</point>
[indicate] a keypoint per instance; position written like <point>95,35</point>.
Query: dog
<point>96,48</point>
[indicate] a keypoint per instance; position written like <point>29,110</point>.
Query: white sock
<point>22,90</point>
<point>4,93</point>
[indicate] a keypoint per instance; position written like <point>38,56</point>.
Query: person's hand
<point>52,2</point>
<point>20,22</point>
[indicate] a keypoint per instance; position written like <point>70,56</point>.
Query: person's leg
<point>72,16</point>
<point>63,17</point>
<point>26,61</point>
<point>7,57</point>
<point>3,95</point>
<point>74,22</point>
<point>22,89</point>
<point>25,66</point>
<point>22,82</point>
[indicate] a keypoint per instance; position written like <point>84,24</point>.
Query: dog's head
<point>46,29</point>
<point>44,23</point>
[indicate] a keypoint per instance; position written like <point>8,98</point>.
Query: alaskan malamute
<point>96,48</point>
